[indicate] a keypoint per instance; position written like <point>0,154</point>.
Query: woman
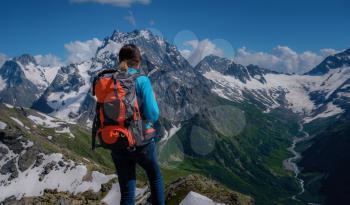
<point>125,161</point>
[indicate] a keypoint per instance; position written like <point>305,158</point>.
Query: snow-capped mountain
<point>230,68</point>
<point>64,96</point>
<point>338,60</point>
<point>178,86</point>
<point>22,80</point>
<point>174,80</point>
<point>181,89</point>
<point>154,49</point>
<point>312,96</point>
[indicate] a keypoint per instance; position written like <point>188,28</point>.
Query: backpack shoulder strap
<point>120,75</point>
<point>95,126</point>
<point>124,76</point>
<point>105,71</point>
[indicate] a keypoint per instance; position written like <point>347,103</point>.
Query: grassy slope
<point>250,162</point>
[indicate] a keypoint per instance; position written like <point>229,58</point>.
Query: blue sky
<point>45,26</point>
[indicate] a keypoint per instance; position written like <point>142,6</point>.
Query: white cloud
<point>48,60</point>
<point>185,53</point>
<point>130,18</point>
<point>3,58</point>
<point>79,51</point>
<point>328,51</point>
<point>199,49</point>
<point>119,3</point>
<point>283,59</point>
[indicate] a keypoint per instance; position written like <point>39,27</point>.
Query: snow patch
<point>294,86</point>
<point>17,121</point>
<point>171,132</point>
<point>194,198</point>
<point>95,184</point>
<point>113,196</point>
<point>8,105</point>
<point>145,34</point>
<point>89,123</point>
<point>346,86</point>
<point>2,125</point>
<point>45,121</point>
<point>65,130</point>
<point>330,111</point>
<point>233,89</point>
<point>226,93</point>
<point>66,176</point>
<point>41,76</point>
<point>111,48</point>
<point>27,144</point>
<point>343,94</point>
<point>50,73</point>
<point>3,84</point>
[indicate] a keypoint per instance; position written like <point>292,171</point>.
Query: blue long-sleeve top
<point>145,92</point>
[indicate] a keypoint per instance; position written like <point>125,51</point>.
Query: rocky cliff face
<point>68,90</point>
<point>17,89</point>
<point>22,80</point>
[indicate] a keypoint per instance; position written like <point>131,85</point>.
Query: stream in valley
<point>291,163</point>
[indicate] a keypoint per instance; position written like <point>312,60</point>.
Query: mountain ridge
<point>337,60</point>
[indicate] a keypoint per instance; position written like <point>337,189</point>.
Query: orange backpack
<point>117,111</point>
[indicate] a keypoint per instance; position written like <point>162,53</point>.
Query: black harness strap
<point>95,126</point>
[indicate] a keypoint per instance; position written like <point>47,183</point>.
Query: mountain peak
<point>213,62</point>
<point>347,51</point>
<point>153,49</point>
<point>25,59</point>
<point>338,60</point>
<point>213,57</point>
<point>142,33</point>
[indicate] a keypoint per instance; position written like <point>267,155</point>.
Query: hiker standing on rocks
<point>126,110</point>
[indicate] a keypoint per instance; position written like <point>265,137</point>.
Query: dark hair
<point>129,56</point>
